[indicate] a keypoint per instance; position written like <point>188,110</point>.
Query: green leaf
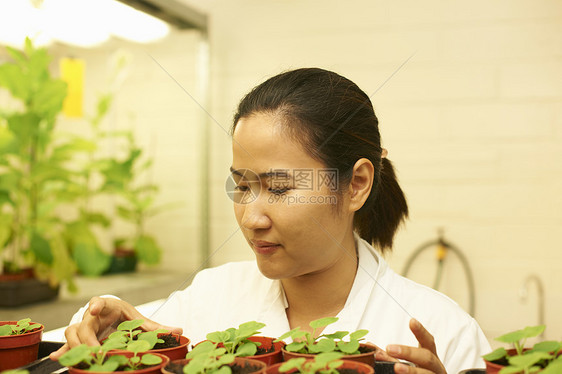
<point>150,336</point>
<point>75,355</point>
<point>325,358</point>
<point>106,367</point>
<point>48,99</point>
<point>548,346</point>
<point>150,359</point>
<point>349,348</point>
<point>495,354</point>
<point>358,334</point>
<point>323,345</point>
<point>527,360</point>
<point>323,322</point>
<point>527,332</point>
<point>554,368</point>
<point>138,346</point>
<point>295,346</point>
<point>130,325</point>
<point>337,335</point>
<point>5,330</point>
<point>41,249</point>
<point>218,336</point>
<point>90,259</point>
<point>147,250</point>
<point>247,349</point>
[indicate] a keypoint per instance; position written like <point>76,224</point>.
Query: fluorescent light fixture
<point>83,23</point>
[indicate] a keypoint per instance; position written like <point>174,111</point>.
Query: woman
<point>314,193</point>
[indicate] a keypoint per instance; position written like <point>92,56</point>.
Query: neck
<point>324,293</point>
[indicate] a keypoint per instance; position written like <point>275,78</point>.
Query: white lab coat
<point>380,301</point>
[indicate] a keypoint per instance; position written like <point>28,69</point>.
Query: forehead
<point>261,144</point>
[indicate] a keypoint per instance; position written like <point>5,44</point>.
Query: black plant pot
<point>18,292</point>
<point>122,262</point>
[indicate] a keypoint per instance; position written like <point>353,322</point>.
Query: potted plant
<point>544,356</point>
<point>135,359</point>
<point>34,174</point>
<point>19,343</point>
<point>136,204</point>
<point>243,342</point>
<point>306,344</point>
<point>174,346</point>
<point>207,358</point>
<point>322,363</point>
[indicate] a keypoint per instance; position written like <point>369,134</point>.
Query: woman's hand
<point>424,357</point>
<point>100,319</point>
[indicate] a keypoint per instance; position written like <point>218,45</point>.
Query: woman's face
<point>288,214</point>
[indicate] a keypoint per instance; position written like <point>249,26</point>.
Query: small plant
<point>96,359</point>
<point>306,342</point>
<point>206,358</point>
<point>23,326</point>
<point>323,363</point>
<point>129,331</point>
<point>544,355</point>
<point>235,341</point>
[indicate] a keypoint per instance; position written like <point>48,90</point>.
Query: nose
<point>256,215</point>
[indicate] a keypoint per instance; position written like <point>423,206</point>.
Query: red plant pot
<point>173,353</point>
<point>266,343</point>
<point>493,368</point>
<point>19,350</point>
<point>359,367</point>
<point>241,361</point>
<point>366,358</point>
<point>156,369</point>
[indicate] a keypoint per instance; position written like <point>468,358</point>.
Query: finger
<point>407,369</point>
<point>421,357</point>
<point>59,352</point>
<point>424,338</point>
<point>150,325</point>
<point>96,305</point>
<point>381,355</point>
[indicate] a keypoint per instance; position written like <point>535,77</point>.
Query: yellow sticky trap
<point>72,72</point>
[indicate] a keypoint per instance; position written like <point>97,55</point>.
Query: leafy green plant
<point>206,358</point>
<point>34,168</point>
<point>306,342</point>
<point>323,363</point>
<point>236,341</point>
<point>96,358</point>
<point>543,356</point>
<point>21,327</point>
<point>129,331</point>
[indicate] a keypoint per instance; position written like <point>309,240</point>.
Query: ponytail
<point>385,209</point>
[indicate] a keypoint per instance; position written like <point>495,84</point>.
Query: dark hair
<point>335,122</point>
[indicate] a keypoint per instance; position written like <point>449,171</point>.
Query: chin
<point>271,270</point>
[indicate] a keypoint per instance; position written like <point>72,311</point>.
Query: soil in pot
<point>367,355</point>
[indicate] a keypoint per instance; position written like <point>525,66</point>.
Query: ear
<point>361,183</point>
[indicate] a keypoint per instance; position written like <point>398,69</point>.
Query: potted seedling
<point>243,342</point>
<point>161,341</point>
<point>207,358</point>
<point>109,357</point>
<point>322,363</point>
<point>306,344</point>
<point>19,343</point>
<point>544,356</point>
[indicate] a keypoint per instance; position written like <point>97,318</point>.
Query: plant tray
<point>44,365</point>
<point>26,291</point>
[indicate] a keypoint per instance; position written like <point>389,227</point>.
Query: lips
<point>263,247</point>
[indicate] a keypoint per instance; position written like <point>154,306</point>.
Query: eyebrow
<point>274,173</point>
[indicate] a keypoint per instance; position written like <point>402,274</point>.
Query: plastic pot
<point>366,358</point>
<point>241,361</point>
<point>359,367</point>
<point>19,350</point>
<point>272,357</point>
<point>156,369</point>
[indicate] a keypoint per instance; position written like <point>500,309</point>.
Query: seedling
<point>323,363</point>
<point>543,355</point>
<point>206,358</point>
<point>127,331</point>
<point>95,358</point>
<point>23,326</point>
<point>306,342</point>
<point>235,341</point>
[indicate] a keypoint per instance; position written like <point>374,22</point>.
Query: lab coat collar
<point>370,269</point>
